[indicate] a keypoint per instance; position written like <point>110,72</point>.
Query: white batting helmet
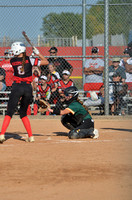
<point>17,48</point>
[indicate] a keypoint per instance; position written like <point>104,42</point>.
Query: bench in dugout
<point>4,97</point>
<point>87,88</point>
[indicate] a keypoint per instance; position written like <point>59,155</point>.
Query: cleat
<point>2,138</point>
<point>30,139</point>
<point>96,134</point>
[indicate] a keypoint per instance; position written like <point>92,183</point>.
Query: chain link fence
<point>75,27</point>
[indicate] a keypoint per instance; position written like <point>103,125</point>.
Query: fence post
<point>106,57</point>
<point>83,38</point>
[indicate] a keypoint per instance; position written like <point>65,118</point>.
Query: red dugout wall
<point>76,62</point>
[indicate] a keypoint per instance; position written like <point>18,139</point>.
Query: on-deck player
<point>21,88</point>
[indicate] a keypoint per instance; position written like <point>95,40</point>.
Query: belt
<point>25,82</point>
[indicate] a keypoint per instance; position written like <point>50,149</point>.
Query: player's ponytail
<point>23,62</point>
<point>86,108</point>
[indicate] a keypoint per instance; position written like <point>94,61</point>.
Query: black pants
<point>70,124</point>
<point>21,92</point>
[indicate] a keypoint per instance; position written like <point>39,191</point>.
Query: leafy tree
<point>62,25</point>
<point>120,17</point>
<point>70,24</point>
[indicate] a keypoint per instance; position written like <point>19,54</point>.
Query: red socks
<point>5,124</point>
<point>25,121</point>
<point>27,125</point>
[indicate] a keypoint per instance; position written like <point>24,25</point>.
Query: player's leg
<point>12,104</point>
<point>90,102</point>
<point>24,103</point>
<point>85,130</point>
<point>67,121</point>
<point>5,124</point>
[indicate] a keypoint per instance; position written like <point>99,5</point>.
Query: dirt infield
<point>56,168</point>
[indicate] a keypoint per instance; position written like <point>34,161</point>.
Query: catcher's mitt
<point>44,105</point>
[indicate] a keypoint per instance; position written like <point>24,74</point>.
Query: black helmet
<point>71,91</point>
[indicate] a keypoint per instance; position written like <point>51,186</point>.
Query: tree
<point>62,25</point>
<point>120,17</point>
<point>70,24</point>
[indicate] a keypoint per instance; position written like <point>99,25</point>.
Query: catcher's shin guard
<point>82,133</point>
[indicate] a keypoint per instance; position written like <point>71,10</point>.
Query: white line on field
<point>52,141</point>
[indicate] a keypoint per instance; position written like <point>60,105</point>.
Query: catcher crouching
<point>75,116</point>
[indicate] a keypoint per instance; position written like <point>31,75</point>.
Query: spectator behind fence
<point>52,81</point>
<point>119,91</point>
<point>2,79</point>
<point>52,70</point>
<point>60,63</point>
<point>43,90</point>
<point>116,68</point>
<point>63,83</point>
<point>35,77</point>
<point>93,68</point>
<point>5,64</point>
<point>126,63</point>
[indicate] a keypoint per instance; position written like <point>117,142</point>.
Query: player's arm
<point>88,71</point>
<point>1,77</point>
<point>59,112</point>
<point>99,70</point>
<point>128,68</point>
<point>2,74</point>
<point>43,61</point>
<point>128,64</point>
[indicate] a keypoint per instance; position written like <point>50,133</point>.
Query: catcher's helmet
<point>18,48</point>
<point>71,91</point>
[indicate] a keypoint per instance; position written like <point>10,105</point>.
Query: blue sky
<point>16,19</point>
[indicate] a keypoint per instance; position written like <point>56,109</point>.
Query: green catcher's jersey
<point>76,108</point>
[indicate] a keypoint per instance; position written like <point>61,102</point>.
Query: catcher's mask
<point>71,91</point>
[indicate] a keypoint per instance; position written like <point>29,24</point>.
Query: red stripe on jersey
<point>36,62</point>
<point>41,91</point>
<point>19,80</point>
<point>52,81</point>
<point>63,85</point>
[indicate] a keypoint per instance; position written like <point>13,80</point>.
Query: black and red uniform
<point>62,85</point>
<point>54,95</point>
<point>21,88</point>
<point>42,92</point>
<point>5,64</point>
<point>53,80</point>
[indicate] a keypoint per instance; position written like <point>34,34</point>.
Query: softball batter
<point>76,117</point>
<point>21,89</point>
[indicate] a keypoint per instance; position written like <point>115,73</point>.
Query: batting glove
<point>35,50</point>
